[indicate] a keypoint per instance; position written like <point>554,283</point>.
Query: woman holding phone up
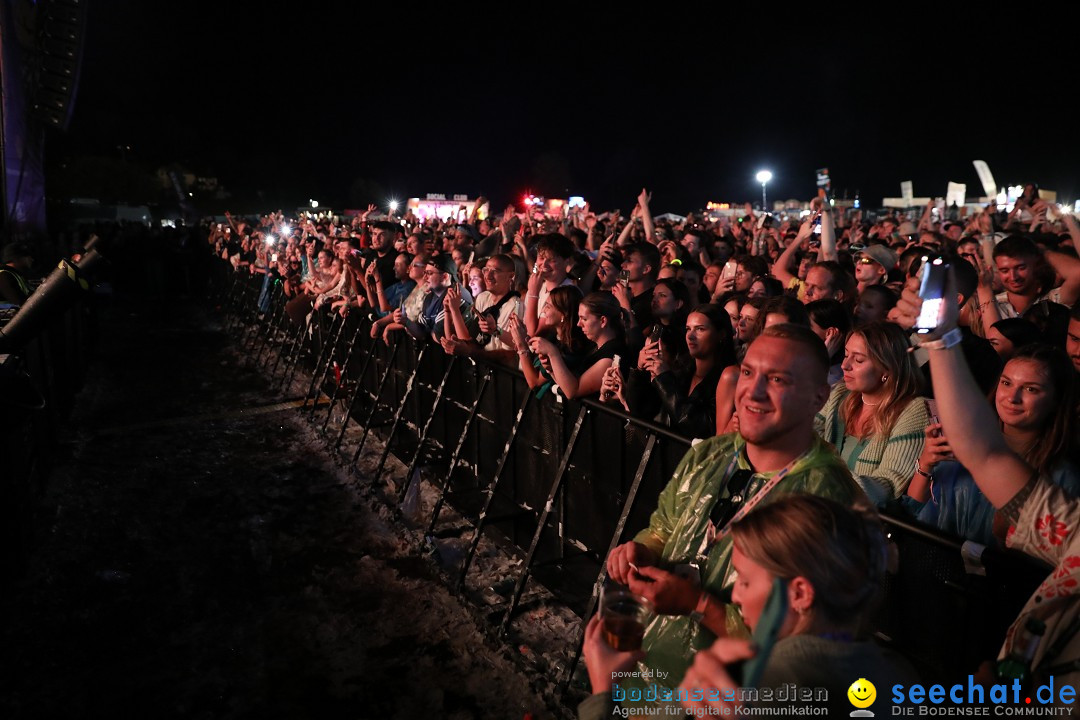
<point>1034,400</point>
<point>1045,516</point>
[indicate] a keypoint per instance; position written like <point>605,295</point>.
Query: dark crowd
<point>825,378</point>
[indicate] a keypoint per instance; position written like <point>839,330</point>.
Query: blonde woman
<point>874,417</point>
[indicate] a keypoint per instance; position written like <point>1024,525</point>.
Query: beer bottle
<point>1017,664</point>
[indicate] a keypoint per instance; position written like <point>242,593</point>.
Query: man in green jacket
<point>682,561</point>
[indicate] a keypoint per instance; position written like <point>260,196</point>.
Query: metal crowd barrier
<point>561,483</point>
<point>40,381</point>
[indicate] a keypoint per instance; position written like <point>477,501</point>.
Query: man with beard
<point>383,254</point>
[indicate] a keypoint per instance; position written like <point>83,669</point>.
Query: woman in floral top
<point>1045,517</point>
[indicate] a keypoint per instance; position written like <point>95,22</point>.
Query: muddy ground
<point>201,554</point>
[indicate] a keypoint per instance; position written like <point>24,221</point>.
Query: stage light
<point>763,177</point>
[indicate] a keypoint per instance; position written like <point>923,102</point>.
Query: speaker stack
<point>62,29</point>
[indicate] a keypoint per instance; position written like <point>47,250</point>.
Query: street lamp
<point>763,177</point>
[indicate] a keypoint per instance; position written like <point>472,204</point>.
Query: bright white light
<point>393,205</point>
<point>285,229</point>
<point>764,176</point>
<point>314,203</point>
<point>270,239</point>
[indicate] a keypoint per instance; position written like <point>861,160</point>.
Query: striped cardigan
<point>882,465</point>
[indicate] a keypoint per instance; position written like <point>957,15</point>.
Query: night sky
<point>496,101</point>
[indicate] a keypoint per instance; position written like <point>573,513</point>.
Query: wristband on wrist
<point>946,341</point>
<point>918,469</point>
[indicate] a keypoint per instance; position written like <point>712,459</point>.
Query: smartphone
<point>764,636</point>
<point>816,226</point>
<point>931,410</point>
<point>932,291</point>
<point>273,258</point>
<point>730,268</point>
<point>624,278</point>
<point>615,362</point>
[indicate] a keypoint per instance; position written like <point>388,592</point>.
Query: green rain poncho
<point>678,526</point>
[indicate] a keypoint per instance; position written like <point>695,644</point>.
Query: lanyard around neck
<point>712,535</point>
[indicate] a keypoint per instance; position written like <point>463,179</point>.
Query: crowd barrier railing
<point>39,382</point>
<point>563,482</point>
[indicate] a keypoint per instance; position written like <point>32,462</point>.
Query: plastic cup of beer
<point>623,617</point>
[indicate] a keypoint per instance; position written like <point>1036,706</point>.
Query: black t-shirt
<point>608,350</point>
<point>384,265</point>
<point>641,307</point>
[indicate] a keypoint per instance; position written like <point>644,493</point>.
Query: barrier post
<point>423,432</point>
<point>400,411</point>
<point>628,505</point>
<point>274,334</point>
<point>341,381</point>
<point>288,341</point>
<point>329,361</point>
<point>266,322</point>
<point>490,491</point>
<point>375,401</point>
<point>359,389</point>
<point>457,452</point>
<point>292,353</point>
<point>519,586</point>
<point>315,371</point>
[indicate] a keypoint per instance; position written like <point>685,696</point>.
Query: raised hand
<point>668,251</point>
<point>622,294</point>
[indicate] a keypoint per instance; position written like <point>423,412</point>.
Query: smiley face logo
<point>862,693</point>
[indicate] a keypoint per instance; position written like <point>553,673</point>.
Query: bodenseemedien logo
<point>862,694</point>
